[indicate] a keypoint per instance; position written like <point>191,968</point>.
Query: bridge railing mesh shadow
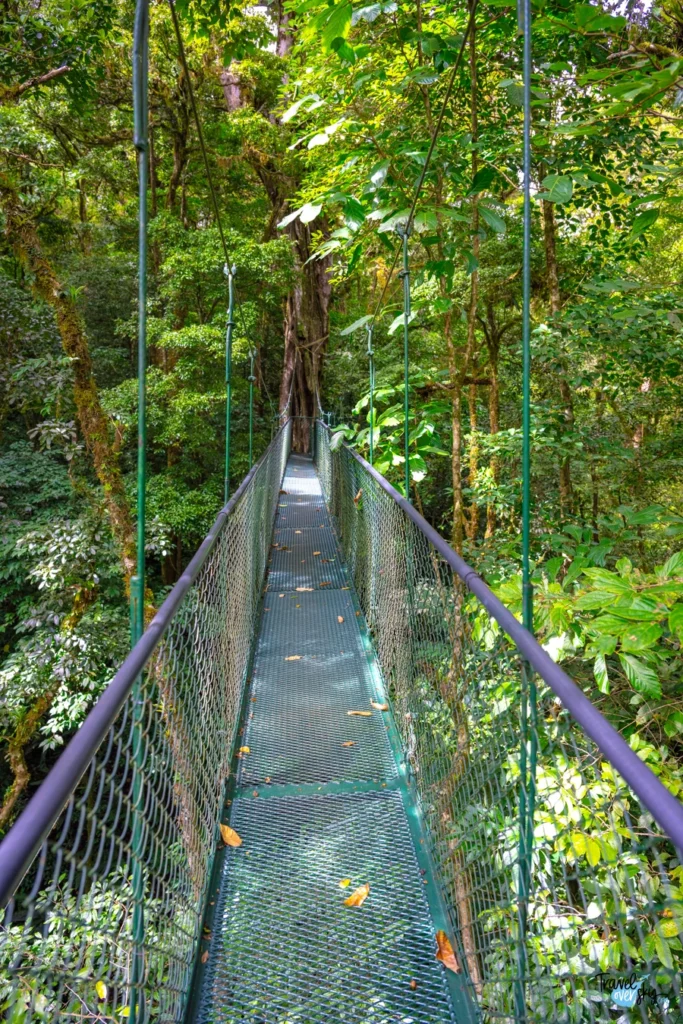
<point>565,895</point>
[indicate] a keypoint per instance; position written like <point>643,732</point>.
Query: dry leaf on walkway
<point>205,956</point>
<point>304,588</point>
<point>245,750</point>
<point>358,896</point>
<point>358,496</point>
<point>413,984</point>
<point>444,952</point>
<point>345,883</point>
<point>229,836</point>
<point>340,619</point>
<point>316,552</point>
<point>326,583</point>
<point>349,743</point>
<point>361,714</point>
<point>379,707</point>
<point>293,657</point>
<point>297,531</point>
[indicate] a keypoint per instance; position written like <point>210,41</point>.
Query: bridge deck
<point>314,810</point>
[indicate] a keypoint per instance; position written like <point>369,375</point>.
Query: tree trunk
<point>94,425</point>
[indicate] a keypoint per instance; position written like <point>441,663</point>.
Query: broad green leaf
<point>676,620</point>
<point>289,218</point>
<point>337,23</point>
<point>674,565</point>
<point>482,180</point>
<point>309,212</point>
<point>559,188</point>
<point>295,107</point>
<point>321,139</point>
<point>663,950</point>
<point>493,220</point>
<point>608,581</point>
<point>471,261</point>
<point>356,325</point>
<point>594,599</point>
<point>600,673</point>
<point>642,676</point>
<point>642,222</point>
<point>398,322</point>
<point>371,11</point>
<point>673,726</point>
<point>640,637</point>
<point>593,851</point>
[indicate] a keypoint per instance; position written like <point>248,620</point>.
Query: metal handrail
<point>660,802</point>
<point>23,841</point>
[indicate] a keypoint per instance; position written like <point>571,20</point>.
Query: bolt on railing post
<point>252,378</point>
<point>528,708</point>
<point>371,361</point>
<point>230,274</point>
<point>137,583</point>
<point>404,233</point>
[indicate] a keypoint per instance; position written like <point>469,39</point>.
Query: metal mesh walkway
<point>319,801</point>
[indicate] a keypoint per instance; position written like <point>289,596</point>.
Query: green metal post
<point>230,272</point>
<point>371,360</point>
<point>252,378</point>
<point>405,274</point>
<point>137,587</point>
<point>528,737</point>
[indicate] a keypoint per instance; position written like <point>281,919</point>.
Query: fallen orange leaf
<point>413,984</point>
<point>293,657</point>
<point>205,956</point>
<point>444,952</point>
<point>304,588</point>
<point>361,714</point>
<point>358,896</point>
<point>316,552</point>
<point>345,883</point>
<point>349,743</point>
<point>325,583</point>
<point>340,618</point>
<point>297,531</point>
<point>229,836</point>
<point>379,707</point>
<point>245,750</point>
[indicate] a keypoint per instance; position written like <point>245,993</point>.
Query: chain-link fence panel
<point>106,922</point>
<point>565,896</point>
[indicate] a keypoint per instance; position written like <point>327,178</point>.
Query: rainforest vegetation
<point>317,118</point>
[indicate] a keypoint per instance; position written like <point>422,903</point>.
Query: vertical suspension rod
<point>136,1009</point>
<point>405,275</point>
<point>528,738</point>
<point>371,361</point>
<point>230,273</point>
<point>252,378</point>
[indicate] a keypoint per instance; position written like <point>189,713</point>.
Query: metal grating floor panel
<point>305,558</point>
<point>288,950</point>
<point>284,949</point>
<point>298,718</point>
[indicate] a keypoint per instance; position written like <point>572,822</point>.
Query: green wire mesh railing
<point>135,842</point>
<point>580,904</point>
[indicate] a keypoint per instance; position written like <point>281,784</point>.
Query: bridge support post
<point>528,704</point>
<point>230,326</point>
<point>371,361</point>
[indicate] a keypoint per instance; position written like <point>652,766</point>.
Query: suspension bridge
<point>336,779</point>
